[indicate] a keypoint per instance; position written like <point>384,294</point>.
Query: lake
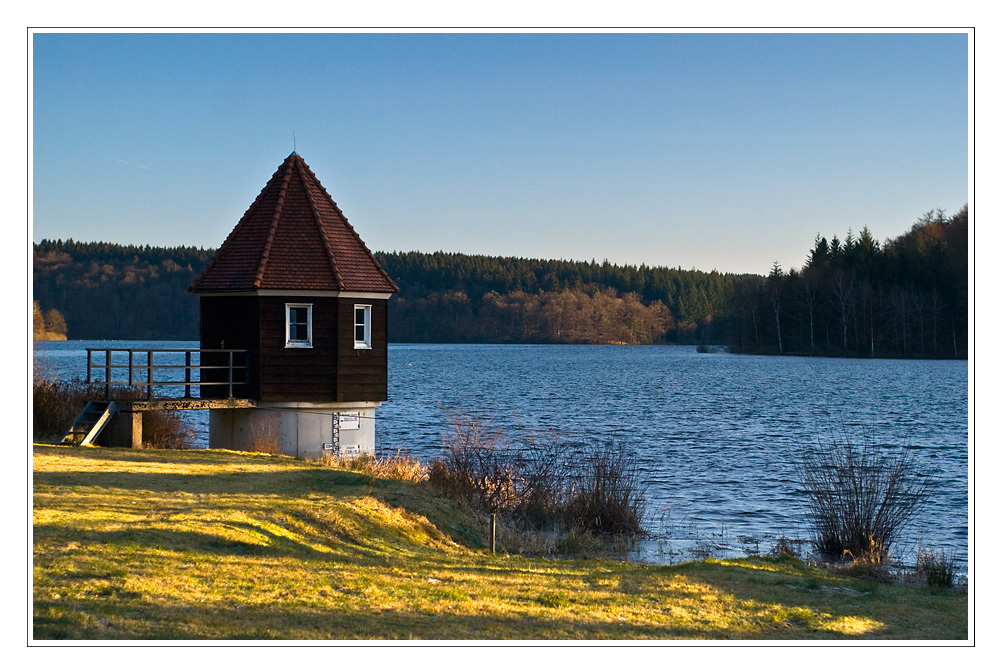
<point>718,435</point>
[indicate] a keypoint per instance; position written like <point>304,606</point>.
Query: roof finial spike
<point>294,148</point>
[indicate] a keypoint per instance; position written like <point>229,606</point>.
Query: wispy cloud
<point>135,165</point>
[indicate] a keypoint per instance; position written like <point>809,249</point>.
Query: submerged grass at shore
<point>204,545</point>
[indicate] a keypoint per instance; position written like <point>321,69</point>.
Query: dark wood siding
<point>332,370</point>
<point>230,323</point>
<point>362,374</point>
<point>298,375</point>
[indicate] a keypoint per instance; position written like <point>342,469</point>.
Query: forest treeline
<point>908,297</point>
<point>854,296</point>
<point>111,291</point>
<point>446,297</point>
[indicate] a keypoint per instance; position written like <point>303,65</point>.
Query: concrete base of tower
<point>302,430</point>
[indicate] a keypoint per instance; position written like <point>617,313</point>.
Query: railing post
<point>187,374</point>
<point>89,352</point>
<point>107,374</point>
<point>149,374</point>
<point>230,373</point>
<point>130,352</point>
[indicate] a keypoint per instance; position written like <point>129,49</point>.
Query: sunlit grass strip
<point>175,545</point>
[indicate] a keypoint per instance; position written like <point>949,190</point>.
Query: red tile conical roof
<point>293,237</point>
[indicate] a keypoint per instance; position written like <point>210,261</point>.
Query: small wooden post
<point>493,533</point>
<point>107,374</point>
<point>230,374</point>
<point>149,374</point>
<point>135,421</point>
<point>187,374</point>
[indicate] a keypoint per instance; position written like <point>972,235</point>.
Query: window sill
<point>298,345</point>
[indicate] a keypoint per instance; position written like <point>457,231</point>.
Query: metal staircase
<point>92,420</point>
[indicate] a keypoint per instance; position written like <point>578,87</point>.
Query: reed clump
<point>861,495</point>
<point>607,494</point>
<point>939,569</point>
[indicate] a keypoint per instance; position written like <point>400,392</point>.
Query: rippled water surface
<point>718,434</point>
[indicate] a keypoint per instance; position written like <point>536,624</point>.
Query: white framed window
<point>362,326</point>
<point>298,325</point>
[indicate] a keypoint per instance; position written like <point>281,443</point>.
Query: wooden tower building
<point>295,286</point>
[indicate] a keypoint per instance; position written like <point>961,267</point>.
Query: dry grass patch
<point>401,466</point>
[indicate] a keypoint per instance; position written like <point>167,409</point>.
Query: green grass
<point>202,545</point>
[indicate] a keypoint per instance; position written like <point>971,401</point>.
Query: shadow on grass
<point>72,620</point>
<point>299,482</point>
<point>123,455</point>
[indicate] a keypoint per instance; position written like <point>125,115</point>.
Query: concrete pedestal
<point>125,430</point>
<point>302,430</point>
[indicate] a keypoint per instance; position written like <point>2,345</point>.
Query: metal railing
<point>144,372</point>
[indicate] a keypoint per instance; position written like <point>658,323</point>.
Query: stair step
<point>91,421</point>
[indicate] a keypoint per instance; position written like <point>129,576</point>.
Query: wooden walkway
<point>130,369</point>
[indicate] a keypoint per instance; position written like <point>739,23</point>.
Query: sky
<point>712,151</point>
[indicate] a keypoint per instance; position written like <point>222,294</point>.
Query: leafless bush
<point>480,464</point>
<point>542,482</point>
<point>166,429</point>
<point>265,433</point>
<point>609,496</point>
<point>784,548</point>
<point>939,569</point>
<point>861,497</point>
<point>546,480</point>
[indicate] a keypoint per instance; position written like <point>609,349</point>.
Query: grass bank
<point>135,544</point>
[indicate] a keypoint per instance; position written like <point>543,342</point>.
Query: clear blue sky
<point>707,151</point>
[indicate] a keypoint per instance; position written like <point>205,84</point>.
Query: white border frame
<point>367,342</point>
<point>299,344</point>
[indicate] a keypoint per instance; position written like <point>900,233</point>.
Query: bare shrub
<point>542,483</point>
<point>939,569</point>
<point>861,497</point>
<point>166,429</point>
<point>265,433</point>
<point>609,496</point>
<point>784,548</point>
<point>481,465</point>
<point>545,480</point>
